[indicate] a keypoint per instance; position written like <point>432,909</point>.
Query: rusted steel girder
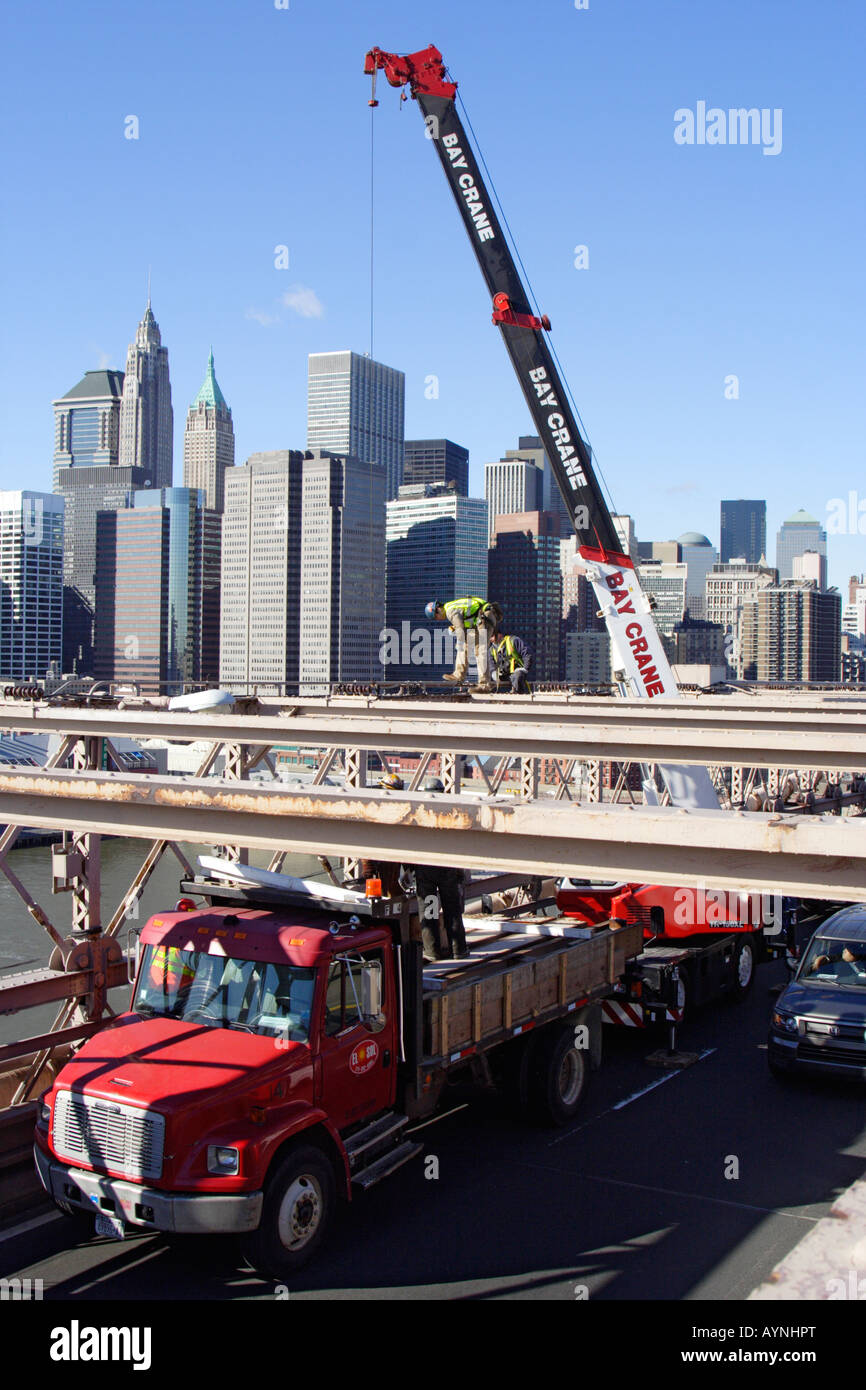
<point>806,855</point>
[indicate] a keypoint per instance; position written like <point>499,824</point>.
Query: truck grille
<point>121,1138</point>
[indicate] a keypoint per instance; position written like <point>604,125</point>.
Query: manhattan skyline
<point>703,262</point>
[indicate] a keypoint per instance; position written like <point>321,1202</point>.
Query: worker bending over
<point>511,660</point>
<point>469,615</point>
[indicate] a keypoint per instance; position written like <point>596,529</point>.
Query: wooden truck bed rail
<point>512,983</point>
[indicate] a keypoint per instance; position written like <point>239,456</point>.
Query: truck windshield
<point>833,961</point>
<point>220,992</point>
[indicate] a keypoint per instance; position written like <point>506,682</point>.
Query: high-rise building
<point>792,633</point>
<point>854,612</point>
<point>624,527</point>
<point>146,416</point>
<point>526,579</point>
<point>342,606</point>
<point>87,423</point>
<point>31,583</point>
<point>587,658</point>
<point>208,442</point>
<point>663,552</point>
<point>698,554</point>
<point>436,461</point>
<point>437,550</point>
<point>743,531</point>
<point>356,408</point>
<point>666,583</point>
<point>529,447</point>
<point>261,572</point>
<point>728,588</point>
<point>158,591</point>
<point>86,492</point>
<point>512,486</point>
<point>700,643</point>
<point>799,533</point>
<point>810,565</point>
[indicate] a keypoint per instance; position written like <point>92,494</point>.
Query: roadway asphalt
<point>637,1200</point>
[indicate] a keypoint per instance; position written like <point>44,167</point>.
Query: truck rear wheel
<point>296,1213</point>
<point>744,968</point>
<point>558,1076</point>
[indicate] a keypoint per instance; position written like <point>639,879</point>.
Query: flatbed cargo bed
<point>513,982</point>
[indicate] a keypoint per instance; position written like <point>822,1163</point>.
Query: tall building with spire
<point>209,442</point>
<point>146,416</point>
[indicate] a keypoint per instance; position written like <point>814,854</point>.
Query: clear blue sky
<point>705,261</point>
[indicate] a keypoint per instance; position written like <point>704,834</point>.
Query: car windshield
<point>834,961</point>
<point>220,992</point>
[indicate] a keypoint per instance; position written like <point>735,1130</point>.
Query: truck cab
<point>247,1028</point>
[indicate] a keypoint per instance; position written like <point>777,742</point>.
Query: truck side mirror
<point>371,995</point>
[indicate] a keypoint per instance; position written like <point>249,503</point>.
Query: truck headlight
<point>222,1160</point>
<point>786,1023</point>
<point>43,1115</point>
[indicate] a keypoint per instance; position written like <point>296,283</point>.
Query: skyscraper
<point>698,554</point>
<point>208,441</point>
<point>526,579</point>
<point>743,531</point>
<point>261,572</point>
<point>792,633</point>
<point>87,423</point>
<point>665,581</point>
<point>31,583</point>
<point>146,416</point>
<point>801,532</point>
<point>356,408</point>
<point>87,492</point>
<point>512,485</point>
<point>436,461</point>
<point>157,591</point>
<point>437,549</point>
<point>342,604</point>
<point>529,447</point>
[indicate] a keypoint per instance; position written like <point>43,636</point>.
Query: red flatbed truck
<point>279,1050</point>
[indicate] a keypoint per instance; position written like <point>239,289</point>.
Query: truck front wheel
<point>558,1076</point>
<point>296,1213</point>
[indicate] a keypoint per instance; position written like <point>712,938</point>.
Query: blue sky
<point>705,262</point>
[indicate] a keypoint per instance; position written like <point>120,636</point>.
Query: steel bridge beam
<point>646,731</point>
<point>804,856</point>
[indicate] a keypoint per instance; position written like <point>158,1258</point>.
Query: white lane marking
<point>620,1104</point>
<point>11,1232</point>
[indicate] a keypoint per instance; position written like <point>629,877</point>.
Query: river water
<point>24,945</point>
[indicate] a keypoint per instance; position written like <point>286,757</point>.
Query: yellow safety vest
<point>515,660</point>
<point>470,608</point>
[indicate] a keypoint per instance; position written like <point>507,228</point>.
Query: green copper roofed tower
<point>208,441</point>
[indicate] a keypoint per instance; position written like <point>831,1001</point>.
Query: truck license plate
<point>109,1226</point>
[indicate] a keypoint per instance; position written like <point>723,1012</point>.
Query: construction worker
<point>465,615</point>
<point>437,886</point>
<point>511,659</point>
